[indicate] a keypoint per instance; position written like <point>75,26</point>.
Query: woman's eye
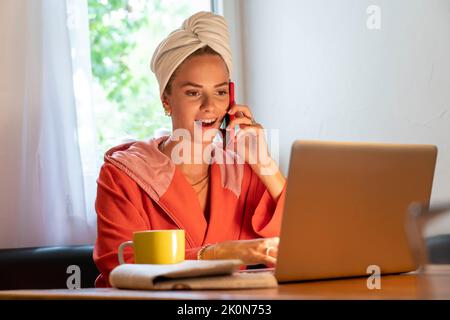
<point>196,93</point>
<point>192,93</point>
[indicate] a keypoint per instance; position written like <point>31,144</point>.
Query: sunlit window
<point>123,36</point>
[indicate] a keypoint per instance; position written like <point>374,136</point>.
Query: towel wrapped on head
<point>199,30</point>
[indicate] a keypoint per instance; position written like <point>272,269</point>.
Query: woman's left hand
<point>250,142</point>
<point>254,149</point>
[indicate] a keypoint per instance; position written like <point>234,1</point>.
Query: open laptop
<point>346,208</point>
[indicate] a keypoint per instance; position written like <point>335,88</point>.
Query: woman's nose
<point>206,102</point>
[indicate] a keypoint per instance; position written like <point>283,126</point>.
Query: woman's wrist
<point>271,176</point>
<point>267,168</point>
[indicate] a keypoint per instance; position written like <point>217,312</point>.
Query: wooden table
<point>432,284</point>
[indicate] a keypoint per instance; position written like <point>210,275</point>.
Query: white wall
<point>315,71</point>
<point>233,12</point>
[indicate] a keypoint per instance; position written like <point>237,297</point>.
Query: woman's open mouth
<point>206,123</point>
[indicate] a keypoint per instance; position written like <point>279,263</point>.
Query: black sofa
<point>46,267</point>
<point>439,249</point>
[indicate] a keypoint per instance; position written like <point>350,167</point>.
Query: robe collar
<point>154,172</point>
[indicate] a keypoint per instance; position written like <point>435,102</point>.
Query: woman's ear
<point>166,105</point>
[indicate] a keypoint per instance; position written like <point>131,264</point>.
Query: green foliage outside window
<point>124,34</point>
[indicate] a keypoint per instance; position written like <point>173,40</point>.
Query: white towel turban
<point>199,30</point>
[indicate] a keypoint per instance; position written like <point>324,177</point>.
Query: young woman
<point>228,209</point>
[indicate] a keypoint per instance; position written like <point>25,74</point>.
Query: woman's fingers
<point>242,108</point>
<point>241,120</point>
<point>267,251</point>
<point>273,252</point>
<point>248,130</point>
<point>267,260</point>
<point>254,251</point>
<point>272,246</point>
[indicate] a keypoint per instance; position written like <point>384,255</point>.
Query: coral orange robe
<point>140,188</point>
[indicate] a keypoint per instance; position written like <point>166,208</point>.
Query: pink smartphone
<point>227,119</point>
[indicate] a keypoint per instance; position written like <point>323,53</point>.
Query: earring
<point>168,113</point>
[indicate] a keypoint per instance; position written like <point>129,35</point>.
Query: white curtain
<point>47,194</point>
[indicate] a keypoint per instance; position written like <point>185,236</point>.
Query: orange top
<point>140,188</point>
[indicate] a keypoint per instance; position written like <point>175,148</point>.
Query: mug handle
<point>121,247</point>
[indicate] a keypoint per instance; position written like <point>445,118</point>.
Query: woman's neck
<point>193,170</point>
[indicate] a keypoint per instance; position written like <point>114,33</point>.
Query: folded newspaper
<point>189,274</point>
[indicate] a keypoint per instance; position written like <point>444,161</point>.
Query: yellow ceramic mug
<point>155,247</point>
